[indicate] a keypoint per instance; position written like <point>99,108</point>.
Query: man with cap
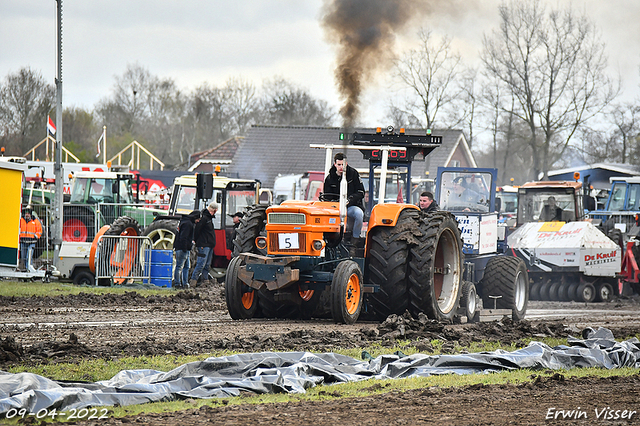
<point>236,222</point>
<point>205,239</point>
<point>182,246</point>
<point>30,232</point>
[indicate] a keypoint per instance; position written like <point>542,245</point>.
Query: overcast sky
<point>210,41</point>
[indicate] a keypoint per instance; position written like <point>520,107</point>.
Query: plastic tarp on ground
<point>293,372</point>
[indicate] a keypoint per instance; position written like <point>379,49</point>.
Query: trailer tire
<point>242,300</point>
<point>386,264</point>
<point>507,276</point>
<point>346,292</point>
<point>432,289</point>
<point>604,292</point>
<point>84,277</point>
<point>162,233</point>
<point>468,301</point>
<point>586,293</point>
<point>251,226</point>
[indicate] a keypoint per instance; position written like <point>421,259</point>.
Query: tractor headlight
<point>317,245</point>
<point>261,243</point>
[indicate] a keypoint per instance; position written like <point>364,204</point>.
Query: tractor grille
<point>287,218</point>
<point>273,244</point>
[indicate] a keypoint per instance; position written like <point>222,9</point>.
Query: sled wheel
<point>554,290</point>
<point>346,292</point>
<point>534,291</point>
<point>604,292</point>
<point>586,293</point>
<point>242,300</point>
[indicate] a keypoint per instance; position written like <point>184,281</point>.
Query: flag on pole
<point>51,127</point>
<point>99,140</point>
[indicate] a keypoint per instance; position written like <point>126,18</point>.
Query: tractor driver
<point>550,211</point>
<point>355,190</point>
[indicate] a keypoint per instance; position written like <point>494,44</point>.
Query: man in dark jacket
<point>205,239</point>
<point>355,190</point>
<point>427,204</point>
<point>182,246</point>
<point>232,235</point>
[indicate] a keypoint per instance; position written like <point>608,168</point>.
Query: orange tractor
<point>292,261</point>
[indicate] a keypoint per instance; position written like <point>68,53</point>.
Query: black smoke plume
<point>365,32</point>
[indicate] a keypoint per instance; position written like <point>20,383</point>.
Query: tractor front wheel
<point>242,300</point>
<point>346,293</point>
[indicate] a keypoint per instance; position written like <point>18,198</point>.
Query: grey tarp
<point>293,372</point>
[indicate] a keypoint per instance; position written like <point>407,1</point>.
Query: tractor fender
<point>387,214</point>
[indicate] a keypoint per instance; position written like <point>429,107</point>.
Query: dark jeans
<point>205,254</point>
<point>181,274</point>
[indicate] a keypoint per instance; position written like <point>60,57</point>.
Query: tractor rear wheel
<point>346,292</point>
<point>242,300</point>
<point>386,264</point>
<point>507,276</point>
<point>251,226</point>
<point>435,268</point>
<point>162,233</point>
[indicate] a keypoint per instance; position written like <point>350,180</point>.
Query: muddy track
<point>40,330</point>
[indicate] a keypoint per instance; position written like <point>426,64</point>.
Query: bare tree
<point>554,65</point>
<point>286,104</point>
<point>626,118</point>
<point>25,100</point>
<point>429,72</point>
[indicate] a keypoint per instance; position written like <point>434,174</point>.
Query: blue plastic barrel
<point>161,267</point>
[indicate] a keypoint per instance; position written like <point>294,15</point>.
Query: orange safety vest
<point>30,230</point>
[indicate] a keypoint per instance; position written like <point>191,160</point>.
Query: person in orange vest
<point>30,232</point>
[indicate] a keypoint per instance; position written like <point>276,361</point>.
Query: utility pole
<point>57,168</point>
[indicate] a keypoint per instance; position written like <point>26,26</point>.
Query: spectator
<point>236,222</point>
<point>182,246</point>
<point>426,203</point>
<point>355,191</point>
<point>205,239</point>
<point>30,232</point>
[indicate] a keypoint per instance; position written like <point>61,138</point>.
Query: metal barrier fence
<point>122,259</point>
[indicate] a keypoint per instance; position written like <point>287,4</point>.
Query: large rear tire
<point>386,264</point>
<point>162,233</point>
<point>251,226</point>
<point>346,292</point>
<point>506,276</point>
<point>242,300</point>
<point>435,268</point>
<point>78,224</point>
